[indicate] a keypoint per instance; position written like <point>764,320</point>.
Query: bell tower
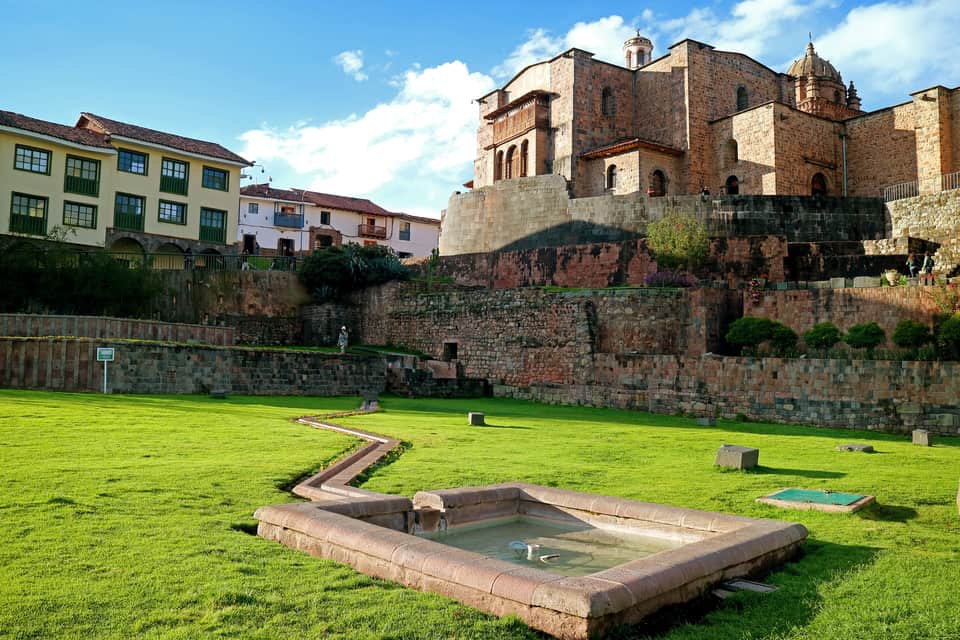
<point>638,51</point>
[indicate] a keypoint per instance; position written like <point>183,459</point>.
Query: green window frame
<point>172,212</point>
<point>82,175</point>
<point>214,178</point>
<point>132,162</point>
<point>174,176</point>
<point>324,217</point>
<point>31,159</point>
<point>253,207</point>
<point>128,211</point>
<point>78,214</point>
<point>213,225</point>
<point>404,230</point>
<point>28,214</point>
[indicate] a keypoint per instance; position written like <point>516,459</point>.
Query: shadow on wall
<point>571,233</point>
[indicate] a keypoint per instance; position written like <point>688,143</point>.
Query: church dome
<point>813,65</point>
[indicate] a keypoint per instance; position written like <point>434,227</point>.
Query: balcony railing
<point>169,184</point>
<point>291,220</point>
<point>945,182</point>
<point>31,225</point>
<point>213,234</point>
<point>372,231</point>
<point>205,261</point>
<point>128,221</point>
<point>85,186</point>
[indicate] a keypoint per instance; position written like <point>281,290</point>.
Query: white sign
<point>105,354</point>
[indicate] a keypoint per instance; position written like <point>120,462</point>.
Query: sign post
<point>105,355</point>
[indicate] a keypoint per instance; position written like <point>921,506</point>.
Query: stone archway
<point>129,251</point>
<point>168,256</point>
<point>732,186</point>
<point>818,185</point>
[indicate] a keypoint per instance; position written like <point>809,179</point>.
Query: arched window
<point>743,100</point>
<point>498,166</point>
<point>818,185</point>
<point>732,186</point>
<point>629,59</point>
<point>508,165</point>
<point>836,96</point>
<point>658,184</point>
<point>612,176</point>
<point>731,153</point>
<point>608,104</point>
<point>524,148</point>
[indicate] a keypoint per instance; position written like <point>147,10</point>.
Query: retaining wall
<point>26,325</point>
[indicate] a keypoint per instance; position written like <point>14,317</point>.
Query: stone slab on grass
<point>922,437</point>
<point>476,419</point>
<point>865,282</point>
<point>706,422</point>
<point>737,457</point>
<point>853,446</point>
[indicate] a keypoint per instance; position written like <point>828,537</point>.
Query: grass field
<point>129,516</point>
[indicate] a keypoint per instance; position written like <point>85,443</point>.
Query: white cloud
<point>352,64</point>
<point>897,48</point>
<point>426,133</point>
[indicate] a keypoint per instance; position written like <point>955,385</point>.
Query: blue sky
<point>372,99</point>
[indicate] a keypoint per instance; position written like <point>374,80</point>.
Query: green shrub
<point>783,339</point>
<point>678,240</point>
<point>948,337</point>
<point>335,271</point>
<point>867,336</point>
<point>910,334</point>
<point>750,331</point>
<point>823,335</point>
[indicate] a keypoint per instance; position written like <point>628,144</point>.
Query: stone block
<point>853,446</point>
<point>922,437</point>
<point>865,282</point>
<point>476,419</point>
<point>706,422</point>
<point>218,394</point>
<point>838,283</point>
<point>737,457</point>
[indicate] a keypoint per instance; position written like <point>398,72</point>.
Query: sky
<point>375,99</point>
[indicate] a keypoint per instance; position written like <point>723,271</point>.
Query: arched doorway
<point>128,250</point>
<point>524,152</point>
<point>508,165</point>
<point>732,185</point>
<point>612,177</point>
<point>498,166</point>
<point>818,185</point>
<point>168,256</point>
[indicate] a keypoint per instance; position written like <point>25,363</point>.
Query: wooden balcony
<point>371,231</point>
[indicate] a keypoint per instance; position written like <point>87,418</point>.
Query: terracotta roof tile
<point>54,130</point>
<point>344,203</point>
<point>200,147</point>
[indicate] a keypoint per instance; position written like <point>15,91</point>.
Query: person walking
<point>912,266</point>
<point>343,340</point>
<point>927,268</point>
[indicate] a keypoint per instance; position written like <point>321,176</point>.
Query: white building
<point>278,221</point>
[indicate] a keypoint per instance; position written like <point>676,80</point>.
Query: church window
<point>608,104</point>
<point>524,152</point>
<point>732,186</point>
<point>743,100</point>
<point>498,166</point>
<point>730,155</point>
<point>836,97</point>
<point>612,176</point>
<point>658,184</point>
<point>509,163</point>
<point>818,185</point>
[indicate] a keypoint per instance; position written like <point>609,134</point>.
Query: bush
<point>335,271</point>
<point>948,337</point>
<point>783,339</point>
<point>678,240</point>
<point>910,334</point>
<point>823,335</point>
<point>867,336</point>
<point>666,279</point>
<point>750,331</point>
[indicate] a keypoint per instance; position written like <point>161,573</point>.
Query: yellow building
<point>103,183</point>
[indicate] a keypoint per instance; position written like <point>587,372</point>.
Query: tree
<point>335,271</point>
<point>910,334</point>
<point>823,335</point>
<point>678,240</point>
<point>867,336</point>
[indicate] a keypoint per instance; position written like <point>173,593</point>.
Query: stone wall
<point>878,395</point>
<point>70,365</point>
<point>26,325</point>
<point>538,212</point>
<point>321,323</point>
<point>881,150</point>
<point>931,217</point>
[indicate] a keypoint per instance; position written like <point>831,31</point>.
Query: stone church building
<point>700,119</point>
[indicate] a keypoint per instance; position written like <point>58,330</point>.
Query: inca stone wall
<point>538,212</point>
<point>71,365</point>
<point>27,325</point>
<point>881,150</point>
<point>931,217</point>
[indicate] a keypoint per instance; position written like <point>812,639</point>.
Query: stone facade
<point>71,365</point>
<point>26,325</point>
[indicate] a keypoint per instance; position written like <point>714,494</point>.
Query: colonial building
<point>291,221</point>
<point>698,119</point>
<point>120,186</point>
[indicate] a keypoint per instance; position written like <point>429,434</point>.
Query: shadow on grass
<point>386,460</point>
<point>754,615</point>
<point>502,426</point>
<point>249,528</point>
<point>887,513</point>
<point>802,473</point>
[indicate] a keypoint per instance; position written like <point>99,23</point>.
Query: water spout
<point>442,524</point>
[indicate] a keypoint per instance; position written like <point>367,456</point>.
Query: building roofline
<point>936,86</point>
<point>27,133</point>
<point>630,144</point>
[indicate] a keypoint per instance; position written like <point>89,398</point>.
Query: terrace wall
<point>27,325</point>
<point>70,365</point>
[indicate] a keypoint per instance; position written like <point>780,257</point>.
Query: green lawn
<point>129,516</point>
